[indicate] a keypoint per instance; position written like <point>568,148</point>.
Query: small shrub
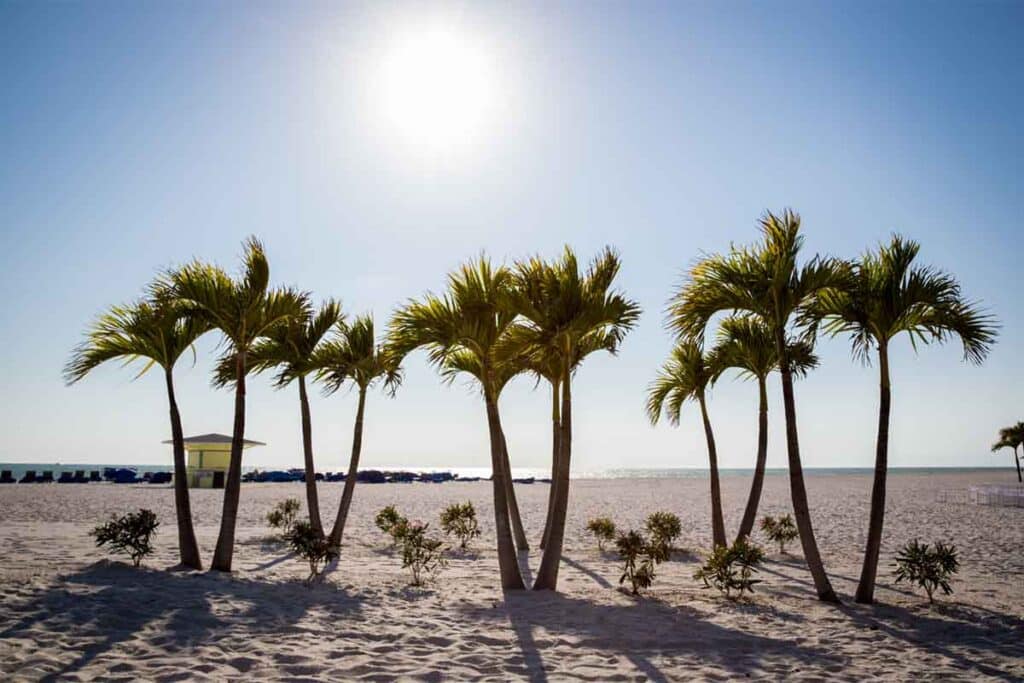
<point>130,534</point>
<point>781,530</point>
<point>732,569</point>
<point>460,520</point>
<point>392,523</point>
<point>311,546</point>
<point>284,515</point>
<point>420,554</point>
<point>664,528</point>
<point>640,557</point>
<point>928,567</point>
<point>603,529</point>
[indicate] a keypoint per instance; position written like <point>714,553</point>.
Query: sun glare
<point>436,88</point>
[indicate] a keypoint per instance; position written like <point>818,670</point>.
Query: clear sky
<point>374,147</point>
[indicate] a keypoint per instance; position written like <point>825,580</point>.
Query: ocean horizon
<point>19,469</point>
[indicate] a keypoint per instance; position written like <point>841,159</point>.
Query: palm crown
<point>686,375</point>
<point>746,344</point>
<point>353,354</point>
<point>889,294</point>
<point>157,331</point>
<point>242,310</point>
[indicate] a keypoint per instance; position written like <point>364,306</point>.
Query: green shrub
<point>392,523</point>
<point>732,569</point>
<point>283,516</point>
<point>460,520</point>
<point>603,529</point>
<point>928,567</point>
<point>130,534</point>
<point>781,530</point>
<point>311,546</point>
<point>421,555</point>
<point>640,558</point>
<point>664,528</point>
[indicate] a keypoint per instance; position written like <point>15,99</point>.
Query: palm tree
<point>567,314</point>
<point>289,349</point>
<point>158,332</point>
<point>1011,437</point>
<point>889,295</point>
<point>353,355</point>
<point>244,311</point>
<point>686,376</point>
<point>767,283</point>
<point>470,317</point>
<point>746,344</point>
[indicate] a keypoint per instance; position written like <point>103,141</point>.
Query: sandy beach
<point>71,611</point>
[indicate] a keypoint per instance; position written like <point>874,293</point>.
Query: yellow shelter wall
<point>209,459</point>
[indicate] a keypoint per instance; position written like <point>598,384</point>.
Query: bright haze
<point>373,147</point>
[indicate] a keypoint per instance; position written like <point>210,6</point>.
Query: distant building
<point>208,458</point>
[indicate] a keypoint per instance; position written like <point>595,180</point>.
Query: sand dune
<point>67,611</point>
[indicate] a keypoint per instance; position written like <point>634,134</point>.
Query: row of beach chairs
<point>79,477</point>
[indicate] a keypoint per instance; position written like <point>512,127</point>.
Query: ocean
<point>19,469</point>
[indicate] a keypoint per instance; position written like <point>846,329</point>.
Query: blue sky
<point>136,136</point>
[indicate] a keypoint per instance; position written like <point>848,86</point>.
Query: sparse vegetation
<point>640,557</point>
<point>309,544</point>
<point>731,569</point>
<point>459,519</point>
<point>392,523</point>
<point>664,528</point>
<point>130,534</point>
<point>780,530</point>
<point>602,529</point>
<point>928,567</point>
<point>283,516</point>
<point>421,555</point>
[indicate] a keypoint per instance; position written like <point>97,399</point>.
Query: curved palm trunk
<point>522,545</point>
<point>353,472</point>
<point>717,523</point>
<point>188,548</point>
<point>1016,461</point>
<point>225,550</point>
<point>798,491</point>
<point>556,427</point>
<point>312,501</point>
<point>866,587</point>
<point>508,565</point>
<point>547,575</point>
<point>750,513</point>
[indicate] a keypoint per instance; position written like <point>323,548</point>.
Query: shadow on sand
<point>124,600</point>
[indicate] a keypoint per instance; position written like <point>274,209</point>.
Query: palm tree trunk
<point>798,491</point>
<point>188,548</point>
<point>312,501</point>
<point>522,544</point>
<point>547,575</point>
<point>225,549</point>
<point>556,427</point>
<point>508,564</point>
<point>353,473</point>
<point>866,587</point>
<point>1016,461</point>
<point>717,522</point>
<point>750,513</point>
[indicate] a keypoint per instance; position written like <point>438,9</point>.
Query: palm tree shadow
<point>120,601</point>
<point>956,628</point>
<point>580,567</point>
<point>642,630</point>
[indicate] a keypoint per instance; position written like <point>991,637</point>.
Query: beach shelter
<point>208,458</point>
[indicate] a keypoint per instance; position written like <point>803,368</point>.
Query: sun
<point>436,88</point>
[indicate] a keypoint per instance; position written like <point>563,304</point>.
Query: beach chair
<point>6,478</point>
<point>80,477</point>
<point>65,478</point>
<point>47,477</point>
<point>29,477</point>
<point>94,475</point>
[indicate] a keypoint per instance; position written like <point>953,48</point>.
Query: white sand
<point>67,611</point>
